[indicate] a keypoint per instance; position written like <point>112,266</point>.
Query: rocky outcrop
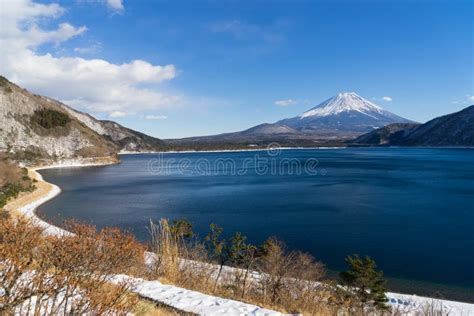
<point>34,127</point>
<point>20,133</point>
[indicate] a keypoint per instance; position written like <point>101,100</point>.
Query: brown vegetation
<point>65,274</point>
<point>268,275</point>
<point>13,181</point>
<point>10,173</point>
<point>70,274</point>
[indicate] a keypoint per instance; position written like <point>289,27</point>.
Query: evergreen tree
<point>217,248</point>
<point>365,282</point>
<point>182,228</point>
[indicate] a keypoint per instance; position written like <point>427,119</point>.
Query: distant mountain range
<point>339,118</point>
<point>33,126</point>
<point>456,129</point>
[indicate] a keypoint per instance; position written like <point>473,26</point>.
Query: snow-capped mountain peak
<point>343,102</point>
<point>346,113</point>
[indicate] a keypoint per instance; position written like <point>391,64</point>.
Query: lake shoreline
<point>125,153</point>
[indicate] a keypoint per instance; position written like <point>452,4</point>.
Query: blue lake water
<point>411,209</point>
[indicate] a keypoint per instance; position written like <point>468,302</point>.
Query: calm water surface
<point>410,209</point>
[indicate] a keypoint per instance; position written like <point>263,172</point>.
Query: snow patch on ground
<point>192,301</point>
<point>406,304</point>
<point>416,305</point>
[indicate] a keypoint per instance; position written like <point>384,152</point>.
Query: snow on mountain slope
<point>84,135</point>
<point>22,135</point>
<point>269,129</point>
<point>345,102</point>
<point>342,117</point>
<point>346,114</point>
<point>85,118</point>
<point>126,139</point>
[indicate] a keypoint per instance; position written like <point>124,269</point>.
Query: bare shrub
<point>291,280</point>
<point>275,266</point>
<point>268,275</point>
<point>67,274</point>
<point>434,307</point>
<point>18,244</point>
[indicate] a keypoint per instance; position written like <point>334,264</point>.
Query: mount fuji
<point>344,114</point>
<point>342,117</point>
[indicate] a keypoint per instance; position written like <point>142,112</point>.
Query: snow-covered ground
<point>406,304</point>
<point>203,304</point>
<point>419,305</point>
<point>191,301</point>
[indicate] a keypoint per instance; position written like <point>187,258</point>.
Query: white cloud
<point>240,29</point>
<point>93,48</point>
<point>387,99</point>
<point>155,117</point>
<point>286,102</point>
<point>116,114</point>
<point>115,5</point>
<point>94,85</point>
<point>468,100</point>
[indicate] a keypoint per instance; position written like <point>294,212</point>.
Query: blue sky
<point>229,62</point>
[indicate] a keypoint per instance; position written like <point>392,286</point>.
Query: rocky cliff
<point>37,127</point>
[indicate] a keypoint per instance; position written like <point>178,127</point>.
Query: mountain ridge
<point>68,134</point>
<point>330,123</point>
<point>79,134</point>
<point>455,129</point>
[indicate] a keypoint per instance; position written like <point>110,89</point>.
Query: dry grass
<point>287,281</point>
<point>9,173</point>
<point>61,267</point>
<point>150,308</point>
<point>66,274</point>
